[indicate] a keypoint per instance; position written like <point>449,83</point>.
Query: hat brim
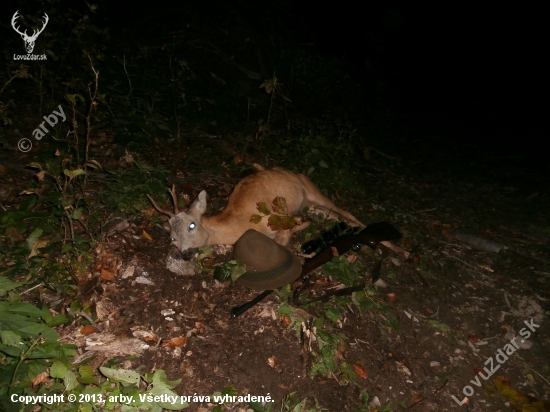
<point>250,280</point>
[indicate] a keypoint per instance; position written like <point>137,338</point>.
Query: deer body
<point>190,230</point>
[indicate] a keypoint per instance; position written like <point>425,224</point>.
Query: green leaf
<point>35,165</point>
<point>286,309</point>
<point>75,306</point>
<point>222,273</point>
<point>58,320</point>
<point>87,375</point>
<point>163,126</point>
<point>274,222</point>
<point>70,381</point>
<point>46,315</point>
<point>24,308</point>
<point>205,252</point>
<point>159,390</point>
<point>323,164</point>
<point>73,173</point>
<point>347,369</point>
<point>94,164</point>
<point>77,214</point>
<point>159,377</point>
<point>58,370</point>
<point>10,351</point>
<point>10,338</point>
<point>230,390</point>
<point>238,270</point>
<point>230,270</point>
<point>124,376</point>
<point>333,314</point>
<point>35,235</point>
<point>263,208</point>
<point>279,205</point>
<point>287,222</point>
<point>255,219</point>
<point>258,407</point>
<point>6,285</point>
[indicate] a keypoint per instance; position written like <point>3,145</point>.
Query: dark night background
<point>469,82</point>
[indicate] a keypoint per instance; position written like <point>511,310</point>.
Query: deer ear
<point>200,203</point>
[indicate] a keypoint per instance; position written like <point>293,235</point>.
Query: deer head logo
<point>29,40</point>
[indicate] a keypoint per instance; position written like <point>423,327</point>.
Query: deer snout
<point>188,254</point>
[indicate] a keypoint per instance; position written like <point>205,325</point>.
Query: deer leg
<point>297,228</point>
<point>334,214</point>
<point>283,237</point>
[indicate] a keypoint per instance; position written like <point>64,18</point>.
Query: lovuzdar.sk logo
<point>29,40</point>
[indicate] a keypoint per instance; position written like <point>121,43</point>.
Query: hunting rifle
<point>371,236</point>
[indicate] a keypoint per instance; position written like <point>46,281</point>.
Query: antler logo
<point>29,40</point>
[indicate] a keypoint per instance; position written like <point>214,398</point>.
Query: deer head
<point>187,232</point>
<point>29,40</point>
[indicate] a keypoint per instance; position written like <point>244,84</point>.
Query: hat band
<point>272,273</point>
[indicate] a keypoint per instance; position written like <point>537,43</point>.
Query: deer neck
<point>221,230</point>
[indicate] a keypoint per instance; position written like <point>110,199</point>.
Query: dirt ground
<point>456,307</point>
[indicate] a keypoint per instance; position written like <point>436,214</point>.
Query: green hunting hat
<point>268,264</point>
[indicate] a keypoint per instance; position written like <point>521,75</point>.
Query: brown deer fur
<point>190,230</point>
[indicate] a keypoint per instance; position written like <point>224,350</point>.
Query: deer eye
<point>172,239</point>
<point>192,226</point>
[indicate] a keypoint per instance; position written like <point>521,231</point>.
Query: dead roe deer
<point>190,230</point>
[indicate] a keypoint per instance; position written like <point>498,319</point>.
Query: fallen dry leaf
<point>107,274</point>
<point>478,371</point>
<point>147,236</point>
<point>14,234</point>
<point>272,361</point>
<point>40,175</point>
<point>285,320</point>
<point>417,397</point>
<point>41,378</point>
<point>360,370</point>
<point>175,342</point>
<point>145,335</point>
<point>343,347</point>
<point>87,330</point>
<point>391,297</point>
<point>518,400</point>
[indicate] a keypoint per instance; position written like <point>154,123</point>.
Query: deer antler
<point>174,200</point>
